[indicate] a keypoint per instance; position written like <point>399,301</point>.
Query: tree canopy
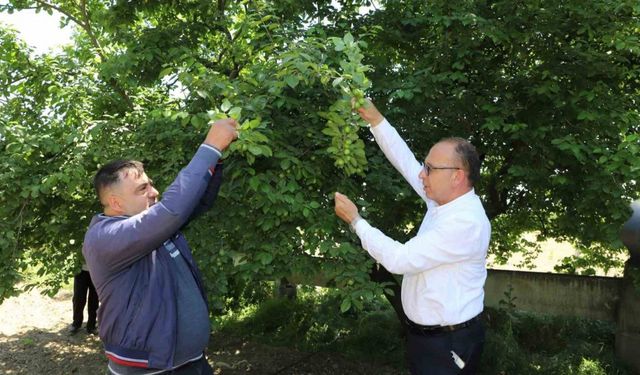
<point>546,90</point>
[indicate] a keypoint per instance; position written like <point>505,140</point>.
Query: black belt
<point>432,330</point>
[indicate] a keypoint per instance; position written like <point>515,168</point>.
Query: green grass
<point>517,342</point>
<point>524,343</point>
<point>313,322</point>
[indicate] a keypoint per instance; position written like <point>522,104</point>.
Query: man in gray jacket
<point>153,315</point>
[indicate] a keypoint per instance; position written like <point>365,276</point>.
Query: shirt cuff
<point>384,125</point>
<point>213,148</point>
<point>354,222</point>
<point>359,226</point>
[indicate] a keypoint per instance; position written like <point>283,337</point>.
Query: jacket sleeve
<point>209,196</point>
<point>117,242</point>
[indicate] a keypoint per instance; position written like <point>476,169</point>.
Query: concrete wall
<point>628,324</point>
<point>589,297</point>
<point>604,298</point>
<point>570,295</point>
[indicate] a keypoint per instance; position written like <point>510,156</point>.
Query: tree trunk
<point>380,274</point>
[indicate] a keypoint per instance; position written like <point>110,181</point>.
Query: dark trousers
<point>430,354</point>
<point>81,285</point>
<point>200,367</point>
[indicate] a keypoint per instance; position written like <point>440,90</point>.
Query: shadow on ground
<point>46,352</point>
<point>57,353</point>
<point>234,356</point>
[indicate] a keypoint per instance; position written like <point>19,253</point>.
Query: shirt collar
<point>461,200</point>
<point>103,216</point>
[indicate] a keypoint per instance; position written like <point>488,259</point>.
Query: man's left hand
<point>345,209</point>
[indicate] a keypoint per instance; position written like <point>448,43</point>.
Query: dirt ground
<point>34,340</point>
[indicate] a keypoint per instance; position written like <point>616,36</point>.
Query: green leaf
<point>292,81</point>
<point>265,258</point>
<point>235,113</point>
<point>226,105</point>
<point>346,305</point>
<point>165,72</point>
<point>586,115</point>
<point>255,150</point>
<point>348,38</point>
<point>254,183</point>
<point>251,124</point>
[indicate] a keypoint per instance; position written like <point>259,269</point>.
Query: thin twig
<point>20,217</point>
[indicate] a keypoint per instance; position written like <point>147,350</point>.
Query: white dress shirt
<point>444,265</point>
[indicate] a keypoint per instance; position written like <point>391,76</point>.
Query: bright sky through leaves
<point>41,31</point>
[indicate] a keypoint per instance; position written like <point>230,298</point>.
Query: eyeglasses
<point>427,168</point>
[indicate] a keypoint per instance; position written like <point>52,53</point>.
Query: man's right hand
<point>222,133</point>
<point>370,113</point>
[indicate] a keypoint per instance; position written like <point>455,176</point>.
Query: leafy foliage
<point>545,89</point>
<point>525,343</point>
<point>517,342</point>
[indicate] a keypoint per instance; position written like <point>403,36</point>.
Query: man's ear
<point>113,202</point>
<point>459,177</point>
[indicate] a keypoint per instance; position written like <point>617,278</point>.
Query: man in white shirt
<point>443,266</point>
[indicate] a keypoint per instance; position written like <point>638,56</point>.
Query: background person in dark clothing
<point>81,286</point>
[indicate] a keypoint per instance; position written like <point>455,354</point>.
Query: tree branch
<point>89,30</point>
<point>20,217</point>
<point>85,24</point>
<point>497,198</point>
<point>58,9</point>
<point>380,274</point>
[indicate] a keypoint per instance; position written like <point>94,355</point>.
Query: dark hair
<point>109,174</point>
<point>468,156</point>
